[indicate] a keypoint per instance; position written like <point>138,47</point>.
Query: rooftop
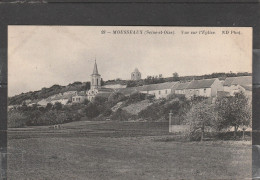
<point>241,80</point>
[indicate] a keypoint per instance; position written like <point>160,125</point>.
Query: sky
<point>41,56</point>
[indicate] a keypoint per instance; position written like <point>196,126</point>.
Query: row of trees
<point>50,115</point>
<point>234,111</point>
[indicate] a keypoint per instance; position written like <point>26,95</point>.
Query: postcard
<point>129,102</point>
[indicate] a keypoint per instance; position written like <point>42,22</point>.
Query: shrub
<point>121,115</point>
<point>107,112</point>
<point>199,117</point>
<point>16,119</point>
<point>33,116</point>
<point>116,97</point>
<point>49,106</point>
<point>92,110</point>
<point>99,100</point>
<point>136,97</point>
<point>57,106</point>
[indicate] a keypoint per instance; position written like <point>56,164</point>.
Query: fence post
<point>170,121</point>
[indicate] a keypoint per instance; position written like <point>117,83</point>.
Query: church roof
<point>95,70</point>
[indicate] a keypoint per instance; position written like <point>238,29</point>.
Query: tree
<point>33,116</point>
<point>48,106</point>
<point>86,101</point>
<point>234,112</point>
<point>16,119</point>
<point>102,82</point>
<point>131,84</point>
<point>91,110</point>
<point>201,114</point>
<point>116,97</point>
<point>100,100</point>
<point>57,106</point>
<point>175,76</point>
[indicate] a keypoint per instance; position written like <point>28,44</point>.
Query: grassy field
<point>120,150</point>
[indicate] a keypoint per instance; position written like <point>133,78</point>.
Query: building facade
<point>161,90</point>
<point>204,87</point>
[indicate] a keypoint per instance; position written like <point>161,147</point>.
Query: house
<point>237,84</point>
<point>181,88</point>
<point>78,99</point>
<point>161,90</point>
<point>204,87</point>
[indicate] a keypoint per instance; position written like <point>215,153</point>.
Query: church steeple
<point>95,78</point>
<point>95,70</point>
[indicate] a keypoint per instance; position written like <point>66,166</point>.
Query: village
<point>84,103</point>
<point>210,88</point>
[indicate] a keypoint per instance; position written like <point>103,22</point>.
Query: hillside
<point>47,92</point>
<point>83,86</point>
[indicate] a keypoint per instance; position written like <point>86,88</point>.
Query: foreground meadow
<point>106,150</point>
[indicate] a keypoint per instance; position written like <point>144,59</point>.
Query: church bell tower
<point>95,78</point>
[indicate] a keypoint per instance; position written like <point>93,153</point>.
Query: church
<point>96,89</point>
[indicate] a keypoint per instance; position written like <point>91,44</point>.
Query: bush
<point>57,106</point>
<point>99,100</point>
<point>92,110</point>
<point>136,97</point>
<point>33,116</point>
<point>116,97</point>
<point>16,119</point>
<point>121,115</point>
<point>153,112</point>
<point>107,112</point>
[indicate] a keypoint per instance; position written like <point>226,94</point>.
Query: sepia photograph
<point>129,102</point>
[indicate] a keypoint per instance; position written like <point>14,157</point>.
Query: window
<point>166,91</point>
<point>159,92</point>
<point>97,81</point>
<point>205,90</point>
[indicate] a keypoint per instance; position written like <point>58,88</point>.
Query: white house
<point>204,87</point>
<point>78,99</point>
<point>161,90</point>
<point>181,88</point>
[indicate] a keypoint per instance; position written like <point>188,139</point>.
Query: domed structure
<point>136,75</point>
